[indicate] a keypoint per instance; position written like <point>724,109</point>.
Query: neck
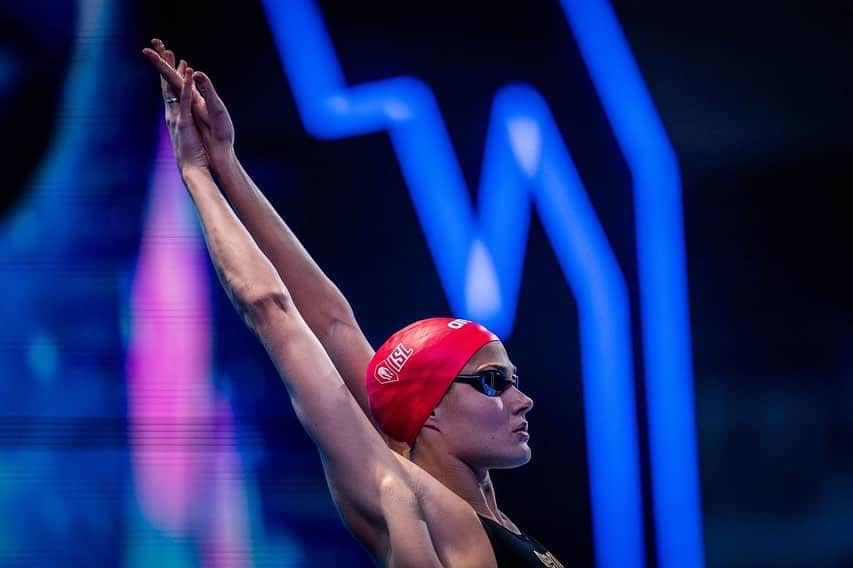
<point>473,484</point>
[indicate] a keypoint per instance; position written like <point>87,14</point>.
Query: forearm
<point>325,408</point>
<point>259,294</point>
<point>319,301</point>
<point>246,274</point>
<point>322,305</point>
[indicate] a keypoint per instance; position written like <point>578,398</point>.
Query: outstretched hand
<point>186,139</point>
<point>212,118</point>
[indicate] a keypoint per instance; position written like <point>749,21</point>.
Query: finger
<point>187,97</point>
<point>165,87</point>
<point>167,71</point>
<point>166,54</point>
<point>205,85</point>
<point>172,82</point>
<point>199,105</point>
<point>182,66</point>
<point>159,45</point>
<point>182,71</point>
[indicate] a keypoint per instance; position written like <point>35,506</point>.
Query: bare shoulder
<point>455,529</point>
<point>422,523</point>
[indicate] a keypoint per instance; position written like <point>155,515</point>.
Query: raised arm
<point>372,489</point>
<point>325,309</point>
<point>322,305</point>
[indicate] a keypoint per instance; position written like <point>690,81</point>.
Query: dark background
<point>755,98</point>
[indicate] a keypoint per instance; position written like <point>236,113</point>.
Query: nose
<point>522,403</point>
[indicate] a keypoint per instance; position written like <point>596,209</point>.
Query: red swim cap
<point>411,371</point>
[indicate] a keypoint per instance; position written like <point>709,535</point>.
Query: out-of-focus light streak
<point>663,279</point>
<point>183,447</point>
<point>169,387</point>
<point>226,544</point>
<point>78,109</point>
<point>479,263</point>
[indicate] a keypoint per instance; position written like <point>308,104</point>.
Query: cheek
<point>479,406</point>
<point>481,419</point>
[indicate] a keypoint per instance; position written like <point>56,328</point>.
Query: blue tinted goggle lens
<point>491,382</point>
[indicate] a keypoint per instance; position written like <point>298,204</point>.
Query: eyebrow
<point>497,366</point>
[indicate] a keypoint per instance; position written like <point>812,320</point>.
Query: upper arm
<point>359,465</point>
<point>351,352</point>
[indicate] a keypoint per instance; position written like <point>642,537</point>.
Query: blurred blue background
<point>141,423</point>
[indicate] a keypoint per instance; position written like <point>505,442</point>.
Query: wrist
<point>224,161</point>
<point>193,171</point>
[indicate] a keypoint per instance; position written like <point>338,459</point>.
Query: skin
<point>306,324</point>
<point>212,120</point>
<point>470,433</point>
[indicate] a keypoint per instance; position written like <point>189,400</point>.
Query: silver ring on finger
<point>171,100</point>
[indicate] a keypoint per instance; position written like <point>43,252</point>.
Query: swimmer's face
<point>479,429</point>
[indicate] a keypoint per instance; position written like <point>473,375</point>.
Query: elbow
<point>261,306</point>
<point>339,320</point>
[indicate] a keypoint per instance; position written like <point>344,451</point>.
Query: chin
<point>527,455</point>
<point>517,460</point>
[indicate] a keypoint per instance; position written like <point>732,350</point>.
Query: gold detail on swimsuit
<point>548,560</point>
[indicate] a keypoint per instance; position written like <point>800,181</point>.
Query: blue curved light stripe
<point>480,266</point>
<point>663,280</point>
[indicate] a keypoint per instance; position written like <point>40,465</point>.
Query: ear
<point>431,421</point>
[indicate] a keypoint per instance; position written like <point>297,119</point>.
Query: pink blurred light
<point>227,531</point>
<point>170,396</point>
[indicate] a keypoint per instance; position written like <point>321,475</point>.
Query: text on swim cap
<point>458,323</point>
<point>389,369</point>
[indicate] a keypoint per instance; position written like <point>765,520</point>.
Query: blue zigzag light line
<point>480,264</point>
<point>662,274</point>
<point>524,150</point>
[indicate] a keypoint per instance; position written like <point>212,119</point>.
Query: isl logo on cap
<point>388,371</point>
<point>526,163</point>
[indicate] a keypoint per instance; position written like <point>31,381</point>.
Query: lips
<point>522,428</point>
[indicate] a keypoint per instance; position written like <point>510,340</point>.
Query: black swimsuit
<point>513,550</point>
